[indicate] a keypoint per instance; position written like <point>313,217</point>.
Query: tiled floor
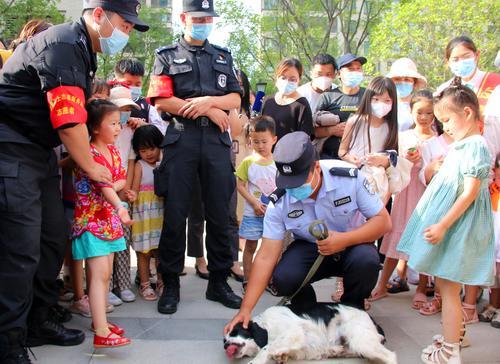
<point>194,334</point>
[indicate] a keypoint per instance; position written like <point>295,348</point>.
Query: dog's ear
<point>259,334</point>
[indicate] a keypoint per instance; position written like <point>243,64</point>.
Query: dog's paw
<point>280,358</point>
<point>336,351</point>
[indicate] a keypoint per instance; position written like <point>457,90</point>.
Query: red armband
<point>160,86</point>
<point>67,106</point>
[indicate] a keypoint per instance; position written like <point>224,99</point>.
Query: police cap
<point>294,155</point>
<point>127,9</point>
<point>199,8</point>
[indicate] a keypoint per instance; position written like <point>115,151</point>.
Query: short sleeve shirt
<point>92,212</point>
<point>342,202</point>
<point>260,178</point>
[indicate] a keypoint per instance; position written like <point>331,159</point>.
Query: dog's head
<point>242,342</point>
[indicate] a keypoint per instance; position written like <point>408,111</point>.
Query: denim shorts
<point>251,227</point>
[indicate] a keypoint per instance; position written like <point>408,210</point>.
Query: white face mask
<point>381,109</point>
<point>322,83</point>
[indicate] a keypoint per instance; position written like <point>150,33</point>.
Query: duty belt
<point>201,122</point>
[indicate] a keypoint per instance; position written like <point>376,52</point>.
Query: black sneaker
<point>53,332</point>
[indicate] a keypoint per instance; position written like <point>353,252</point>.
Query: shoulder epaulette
<point>276,195</point>
<point>220,48</point>
<point>344,172</point>
<point>165,48</point>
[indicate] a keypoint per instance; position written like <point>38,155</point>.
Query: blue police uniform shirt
<point>344,203</point>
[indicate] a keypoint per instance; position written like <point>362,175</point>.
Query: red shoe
<point>115,329</point>
<point>110,342</point>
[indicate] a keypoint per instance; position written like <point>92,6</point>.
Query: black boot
<point>13,348</point>
<point>60,313</point>
<point>167,304</point>
<point>219,290</point>
<point>44,328</point>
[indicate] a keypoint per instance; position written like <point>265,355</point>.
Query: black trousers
<point>33,233</point>
<point>195,151</point>
<point>196,225</point>
<point>358,265</point>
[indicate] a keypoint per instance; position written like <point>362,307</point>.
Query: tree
<point>14,14</point>
<point>420,30</point>
<point>142,45</point>
<point>297,28</point>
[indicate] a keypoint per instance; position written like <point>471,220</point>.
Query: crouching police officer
<point>43,89</point>
<point>195,82</point>
<point>328,190</point>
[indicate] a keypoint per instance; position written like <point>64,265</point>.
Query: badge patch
<point>222,81</point>
<point>137,9</point>
<point>295,214</point>
<point>287,169</point>
<point>180,61</point>
<point>368,187</point>
<point>221,61</point>
<point>205,4</point>
<point>342,201</point>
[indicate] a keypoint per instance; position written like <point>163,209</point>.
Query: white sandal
<point>446,354</point>
<point>147,292</point>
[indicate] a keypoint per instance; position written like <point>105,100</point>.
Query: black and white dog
<point>315,332</point>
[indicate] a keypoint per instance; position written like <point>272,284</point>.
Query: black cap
<point>199,8</point>
<point>127,9</point>
<point>294,155</point>
<point>347,58</point>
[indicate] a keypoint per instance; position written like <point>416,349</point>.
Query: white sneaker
<point>127,295</point>
<point>114,299</point>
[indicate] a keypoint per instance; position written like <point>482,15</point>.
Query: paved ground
<point>194,334</point>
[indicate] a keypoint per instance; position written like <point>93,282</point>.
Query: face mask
<point>136,92</point>
<point>352,79</point>
<point>322,83</point>
<point>200,31</point>
<point>285,87</point>
<point>463,68</point>
<point>124,116</point>
<point>302,192</point>
<point>381,109</point>
<point>114,43</point>
<point>404,89</point>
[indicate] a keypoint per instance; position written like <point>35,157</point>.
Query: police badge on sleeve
<point>205,4</point>
<point>222,81</point>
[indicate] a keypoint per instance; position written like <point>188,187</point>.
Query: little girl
<point>373,129</point>
<point>450,233</point>
<point>404,203</point>
<point>147,210</point>
<point>99,214</point>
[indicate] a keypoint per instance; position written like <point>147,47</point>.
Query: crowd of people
<point>404,177</point>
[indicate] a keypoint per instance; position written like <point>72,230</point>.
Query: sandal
<point>147,292</point>
<point>377,297</point>
<point>397,285</point>
<point>339,290</point>
<point>115,329</point>
<point>445,354</point>
<point>469,318</point>
<point>419,300</point>
<point>438,340</point>
<point>110,342</point>
<point>432,307</point>
<point>487,314</point>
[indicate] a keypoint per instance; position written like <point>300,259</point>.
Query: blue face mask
<point>464,67</point>
<point>200,31</point>
<point>286,87</point>
<point>114,43</point>
<point>302,192</point>
<point>352,79</point>
<point>136,92</point>
<point>124,116</point>
<point>404,89</point>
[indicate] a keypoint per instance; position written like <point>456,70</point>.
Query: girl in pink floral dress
<point>99,214</point>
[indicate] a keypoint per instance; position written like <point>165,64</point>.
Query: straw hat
<point>121,96</point>
<point>405,67</point>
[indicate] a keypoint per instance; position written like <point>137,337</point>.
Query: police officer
<point>43,89</point>
<point>328,190</point>
<point>195,82</point>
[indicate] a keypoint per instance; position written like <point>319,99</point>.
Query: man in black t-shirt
<point>342,101</point>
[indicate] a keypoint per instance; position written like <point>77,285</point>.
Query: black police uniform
<point>195,147</point>
<point>143,112</point>
<point>33,232</point>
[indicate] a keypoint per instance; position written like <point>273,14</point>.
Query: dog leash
<point>319,230</point>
